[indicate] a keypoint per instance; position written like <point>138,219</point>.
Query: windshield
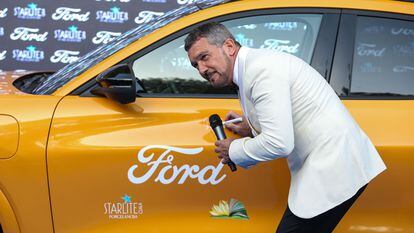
<point>67,73</point>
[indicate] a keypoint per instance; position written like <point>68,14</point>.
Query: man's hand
<point>222,148</point>
<point>241,128</point>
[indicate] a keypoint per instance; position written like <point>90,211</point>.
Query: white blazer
<point>294,113</point>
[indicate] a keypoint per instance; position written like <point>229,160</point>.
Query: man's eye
<point>204,57</point>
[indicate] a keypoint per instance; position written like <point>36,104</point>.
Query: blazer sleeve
<point>269,91</point>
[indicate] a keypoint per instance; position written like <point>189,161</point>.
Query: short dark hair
<point>215,33</point>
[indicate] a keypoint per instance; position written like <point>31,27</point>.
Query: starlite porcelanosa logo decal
<point>103,37</point>
<point>163,170</point>
<point>243,40</point>
<point>30,54</point>
<point>64,56</point>
<point>124,209</point>
<point>70,14</point>
<point>3,12</point>
<point>146,16</point>
<point>114,15</point>
<point>29,12</point>
<point>72,34</point>
<point>282,26</point>
<point>3,55</point>
<point>28,34</point>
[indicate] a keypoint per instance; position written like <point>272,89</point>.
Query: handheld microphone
<point>217,126</point>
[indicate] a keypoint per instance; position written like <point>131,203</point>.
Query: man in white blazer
<point>290,111</point>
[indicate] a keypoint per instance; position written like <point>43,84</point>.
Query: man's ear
<point>230,46</point>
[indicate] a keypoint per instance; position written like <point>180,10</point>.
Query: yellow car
<point>119,141</point>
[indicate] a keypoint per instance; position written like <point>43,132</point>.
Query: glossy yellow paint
<point>91,151</point>
<point>238,6</point>
<point>9,136</point>
<point>23,177</point>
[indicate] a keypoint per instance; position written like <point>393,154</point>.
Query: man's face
<point>212,62</point>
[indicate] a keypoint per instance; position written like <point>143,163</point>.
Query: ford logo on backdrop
<point>182,2</point>
<point>29,12</point>
<point>70,35</point>
<point>3,12</point>
<point>28,34</point>
<point>3,55</point>
<point>103,37</point>
<point>64,56</point>
<point>114,15</point>
<point>146,16</point>
<point>70,14</point>
<point>30,54</point>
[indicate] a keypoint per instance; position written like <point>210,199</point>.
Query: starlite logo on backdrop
<point>28,34</point>
<point>114,15</point>
<point>103,37</point>
<point>30,54</point>
<point>3,12</point>
<point>70,14</point>
<point>70,35</point>
<point>29,12</point>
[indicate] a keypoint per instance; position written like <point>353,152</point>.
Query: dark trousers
<point>323,223</point>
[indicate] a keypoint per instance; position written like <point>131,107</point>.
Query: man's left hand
<point>222,148</point>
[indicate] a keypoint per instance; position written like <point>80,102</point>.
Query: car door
<point>373,73</point>
<point>150,166</point>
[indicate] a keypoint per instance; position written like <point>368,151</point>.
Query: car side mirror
<point>117,83</point>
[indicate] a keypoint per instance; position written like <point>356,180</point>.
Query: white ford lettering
<point>3,12</point>
<point>104,37</point>
<point>182,2</point>
<point>3,55</point>
<point>208,174</point>
<point>64,56</point>
<point>70,14</point>
<point>403,31</point>
<point>28,34</point>
<point>280,45</point>
<point>146,16</point>
<point>365,49</point>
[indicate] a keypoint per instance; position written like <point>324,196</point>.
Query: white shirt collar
<point>239,65</point>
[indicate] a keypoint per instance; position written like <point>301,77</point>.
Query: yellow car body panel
<point>74,154</point>
<point>23,177</point>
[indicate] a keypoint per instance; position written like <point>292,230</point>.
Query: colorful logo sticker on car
<point>125,209</point>
<point>234,210</point>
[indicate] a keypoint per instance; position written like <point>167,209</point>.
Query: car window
<point>383,60</point>
<point>167,69</point>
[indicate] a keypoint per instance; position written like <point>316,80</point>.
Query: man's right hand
<point>241,128</point>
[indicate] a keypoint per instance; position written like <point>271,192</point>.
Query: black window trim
<point>326,30</point>
<point>344,52</point>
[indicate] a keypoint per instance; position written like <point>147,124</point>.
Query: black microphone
<point>217,126</point>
